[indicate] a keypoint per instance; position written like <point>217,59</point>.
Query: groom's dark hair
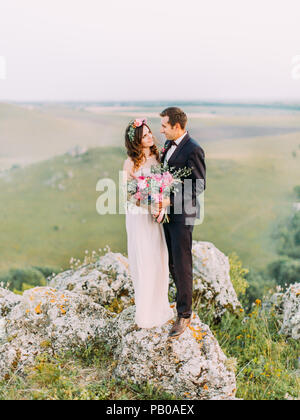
<point>176,115</point>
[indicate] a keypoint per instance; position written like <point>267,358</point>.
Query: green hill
<point>48,209</point>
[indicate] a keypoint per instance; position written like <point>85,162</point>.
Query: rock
<point>212,284</point>
<point>8,300</point>
<point>2,330</point>
<point>192,366</point>
<point>48,320</point>
<point>107,281</point>
<point>71,311</point>
<point>296,206</point>
<point>291,312</point>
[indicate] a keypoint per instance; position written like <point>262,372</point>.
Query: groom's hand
<point>162,204</point>
<point>166,202</point>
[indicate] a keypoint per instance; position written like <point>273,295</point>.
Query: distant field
<point>249,184</point>
<point>32,133</point>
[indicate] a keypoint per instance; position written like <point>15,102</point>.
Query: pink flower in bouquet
<point>167,178</point>
<point>158,177</point>
<point>142,183</point>
<point>157,197</point>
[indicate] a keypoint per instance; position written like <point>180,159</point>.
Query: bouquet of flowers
<point>159,184</point>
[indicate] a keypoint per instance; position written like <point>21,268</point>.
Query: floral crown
<point>138,122</point>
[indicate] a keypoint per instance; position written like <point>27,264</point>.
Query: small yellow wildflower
<point>258,302</point>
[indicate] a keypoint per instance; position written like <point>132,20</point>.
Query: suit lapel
<point>168,144</point>
<point>178,148</point>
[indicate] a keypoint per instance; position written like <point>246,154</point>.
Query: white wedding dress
<point>148,262</point>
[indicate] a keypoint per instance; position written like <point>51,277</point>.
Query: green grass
<point>267,363</point>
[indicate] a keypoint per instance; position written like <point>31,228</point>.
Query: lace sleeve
<point>128,197</point>
<point>126,177</point>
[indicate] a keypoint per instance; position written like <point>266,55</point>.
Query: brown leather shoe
<point>179,326</point>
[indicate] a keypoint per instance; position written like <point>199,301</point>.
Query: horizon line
<point>161,101</point>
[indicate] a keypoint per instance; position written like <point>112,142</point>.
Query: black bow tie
<point>170,144</point>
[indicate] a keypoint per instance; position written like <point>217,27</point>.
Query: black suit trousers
<point>179,241</point>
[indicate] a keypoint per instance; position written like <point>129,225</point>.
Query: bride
<point>146,243</point>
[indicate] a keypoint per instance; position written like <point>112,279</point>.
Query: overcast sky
<point>149,50</point>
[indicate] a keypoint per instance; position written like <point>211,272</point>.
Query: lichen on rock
<point>191,366</point>
<point>291,312</point>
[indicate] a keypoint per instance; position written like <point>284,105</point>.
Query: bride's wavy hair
<point>134,147</point>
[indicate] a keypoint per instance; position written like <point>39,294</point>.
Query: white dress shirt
<point>172,148</point>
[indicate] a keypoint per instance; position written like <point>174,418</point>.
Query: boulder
<point>48,320</point>
<point>106,282</point>
<point>212,283</point>
<point>78,306</point>
<point>45,319</point>
<point>191,366</point>
<point>291,312</point>
<point>8,300</point>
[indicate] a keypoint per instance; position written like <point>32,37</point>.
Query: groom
<point>181,151</point>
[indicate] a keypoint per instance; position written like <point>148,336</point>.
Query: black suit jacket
<point>187,154</point>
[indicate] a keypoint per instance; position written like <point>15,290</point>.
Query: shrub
<point>259,285</point>
<point>297,191</point>
<point>284,271</point>
<point>237,274</point>
<point>16,277</point>
<point>287,236</point>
